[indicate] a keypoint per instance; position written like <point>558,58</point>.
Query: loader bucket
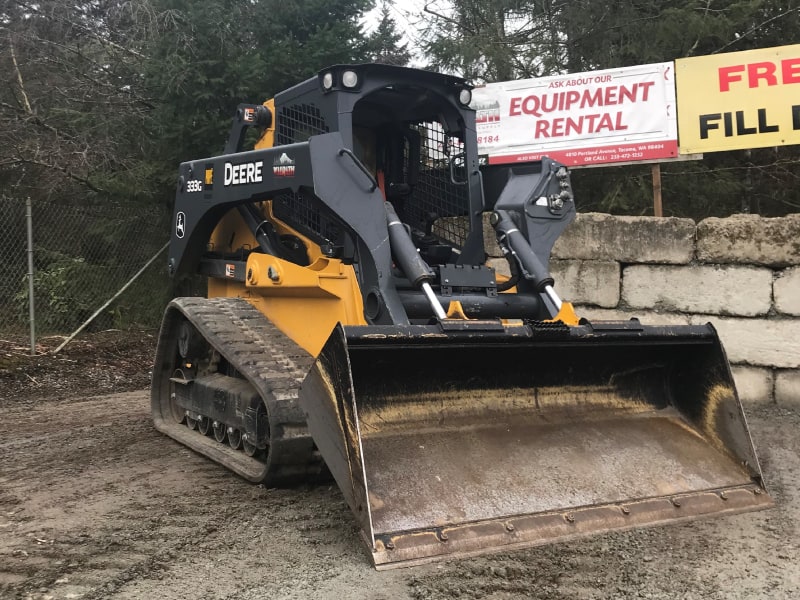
<point>463,439</point>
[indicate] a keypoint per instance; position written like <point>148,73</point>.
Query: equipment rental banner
<point>580,119</point>
<point>739,100</point>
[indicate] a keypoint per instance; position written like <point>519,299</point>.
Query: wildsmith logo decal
<point>284,166</point>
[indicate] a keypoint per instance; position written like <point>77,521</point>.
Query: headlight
<point>349,79</point>
<point>327,81</point>
<point>465,96</point>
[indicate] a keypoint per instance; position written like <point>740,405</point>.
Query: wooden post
<point>657,208</point>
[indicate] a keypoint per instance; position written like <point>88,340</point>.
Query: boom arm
<point>336,180</point>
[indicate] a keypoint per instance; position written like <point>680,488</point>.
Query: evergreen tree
<point>625,33</point>
<point>106,97</point>
<point>385,43</point>
<point>214,54</point>
<point>494,40</point>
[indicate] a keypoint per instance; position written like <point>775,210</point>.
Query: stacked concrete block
<point>753,384</point>
<point>587,281</point>
<point>787,387</point>
<point>750,239</point>
<point>773,343</point>
<point>787,291</point>
<point>741,273</point>
<point>712,289</point>
<point>597,236</point>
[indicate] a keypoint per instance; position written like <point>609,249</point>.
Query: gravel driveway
<point>94,503</point>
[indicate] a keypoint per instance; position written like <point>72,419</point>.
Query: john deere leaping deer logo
<point>180,225</point>
<point>283,166</point>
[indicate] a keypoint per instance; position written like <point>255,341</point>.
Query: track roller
<point>234,438</point>
<point>204,425</point>
<point>219,431</point>
<point>247,447</point>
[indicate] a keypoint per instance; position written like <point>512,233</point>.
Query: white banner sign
<point>616,115</point>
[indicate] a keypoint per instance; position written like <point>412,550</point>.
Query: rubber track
<point>273,364</point>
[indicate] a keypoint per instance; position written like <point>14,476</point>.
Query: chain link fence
<point>82,256</point>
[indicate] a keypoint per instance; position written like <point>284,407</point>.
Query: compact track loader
<point>352,326</point>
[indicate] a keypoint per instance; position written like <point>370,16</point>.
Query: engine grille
<point>296,123</point>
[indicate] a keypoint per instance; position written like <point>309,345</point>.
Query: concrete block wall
<point>740,273</point>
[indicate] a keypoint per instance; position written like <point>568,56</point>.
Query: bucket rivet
<point>625,510</point>
<point>443,536</point>
<point>389,545</point>
<point>757,491</point>
<point>676,503</point>
<point>570,518</point>
<point>723,495</point>
<point>509,527</point>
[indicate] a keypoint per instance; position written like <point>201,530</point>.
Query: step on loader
<point>351,326</point>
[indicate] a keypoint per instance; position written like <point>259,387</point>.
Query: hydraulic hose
<point>411,263</point>
<point>514,279</point>
<point>251,218</point>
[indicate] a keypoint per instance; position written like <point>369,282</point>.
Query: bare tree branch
<point>62,169</point>
<point>25,102</point>
<point>83,28</point>
<point>755,28</point>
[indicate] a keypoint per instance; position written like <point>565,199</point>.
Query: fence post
<point>29,220</point>
<point>658,209</point>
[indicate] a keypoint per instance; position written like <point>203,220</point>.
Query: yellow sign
<point>739,100</point>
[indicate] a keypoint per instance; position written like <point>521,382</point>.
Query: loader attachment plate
<point>452,443</point>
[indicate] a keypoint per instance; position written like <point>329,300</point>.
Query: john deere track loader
<point>352,325</point>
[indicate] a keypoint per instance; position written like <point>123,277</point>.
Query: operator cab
<point>411,131</point>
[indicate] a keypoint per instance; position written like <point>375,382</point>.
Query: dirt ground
<point>94,503</point>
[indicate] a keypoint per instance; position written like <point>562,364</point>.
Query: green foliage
<point>120,91</point>
<point>764,182</point>
<point>494,40</point>
<point>211,55</point>
<point>65,293</point>
<point>144,302</point>
<point>68,290</point>
<point>104,98</point>
<point>625,33</point>
<point>501,40</point>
